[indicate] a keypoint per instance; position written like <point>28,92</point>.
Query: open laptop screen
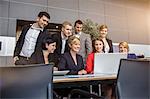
<point>107,63</point>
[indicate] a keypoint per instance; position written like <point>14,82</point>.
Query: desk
<point>65,81</point>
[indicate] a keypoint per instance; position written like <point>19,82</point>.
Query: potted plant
<point>89,27</point>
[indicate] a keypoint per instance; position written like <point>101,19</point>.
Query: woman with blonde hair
<point>124,48</point>
<point>71,60</point>
<point>103,31</point>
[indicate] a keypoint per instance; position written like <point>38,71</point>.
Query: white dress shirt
<point>30,41</point>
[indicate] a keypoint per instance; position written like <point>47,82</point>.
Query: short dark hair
<point>41,14</point>
<point>47,40</point>
<point>78,22</point>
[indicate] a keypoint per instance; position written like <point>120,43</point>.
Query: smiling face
<point>42,21</point>
<point>103,32</point>
<point>78,28</point>
<point>74,44</point>
<point>67,30</point>
<point>123,49</point>
<point>98,46</point>
<point>51,47</point>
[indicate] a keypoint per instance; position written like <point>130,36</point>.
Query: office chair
<point>133,80</point>
<point>78,93</point>
<point>26,82</point>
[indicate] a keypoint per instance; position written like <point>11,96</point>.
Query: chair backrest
<point>30,81</point>
<point>133,80</point>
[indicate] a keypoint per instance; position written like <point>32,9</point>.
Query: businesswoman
<point>71,60</point>
<point>48,47</point>
<point>103,31</point>
<point>124,48</point>
<point>98,47</point>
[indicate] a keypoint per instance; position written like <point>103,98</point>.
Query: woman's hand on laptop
<point>82,72</point>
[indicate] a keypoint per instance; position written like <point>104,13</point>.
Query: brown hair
<point>78,22</point>
<point>93,44</point>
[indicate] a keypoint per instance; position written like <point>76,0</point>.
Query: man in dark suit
<point>62,38</point>
<point>30,40</point>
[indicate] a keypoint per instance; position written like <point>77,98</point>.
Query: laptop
<point>107,63</point>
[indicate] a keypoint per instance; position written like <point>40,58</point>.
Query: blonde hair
<point>124,44</point>
<point>103,27</point>
<point>66,23</point>
<point>73,39</point>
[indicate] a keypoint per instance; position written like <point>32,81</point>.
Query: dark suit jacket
<point>21,39</point>
<point>110,45</point>
<point>38,58</point>
<point>67,63</point>
<point>58,39</point>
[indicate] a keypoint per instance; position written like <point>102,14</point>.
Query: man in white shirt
<point>62,38</point>
<point>30,40</point>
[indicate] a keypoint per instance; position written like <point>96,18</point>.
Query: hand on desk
<point>15,59</point>
<point>81,72</point>
<point>55,68</point>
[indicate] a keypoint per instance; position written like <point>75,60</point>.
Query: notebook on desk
<point>59,73</point>
<point>107,63</point>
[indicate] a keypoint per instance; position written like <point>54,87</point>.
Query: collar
<point>36,28</point>
<point>78,33</point>
<point>63,36</point>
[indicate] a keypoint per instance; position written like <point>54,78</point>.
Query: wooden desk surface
<point>60,79</point>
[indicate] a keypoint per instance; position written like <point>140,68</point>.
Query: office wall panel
<point>139,4</point>
<point>61,15</point>
<point>25,11</point>
<point>116,22</point>
<point>94,17</point>
<point>115,10</point>
<point>64,4</point>
<point>91,6</point>
<point>118,35</point>
<point>12,28</point>
<point>116,2</point>
<point>4,6</point>
<point>3,27</point>
<point>137,25</point>
<point>34,2</point>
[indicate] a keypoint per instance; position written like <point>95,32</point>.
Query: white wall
<point>8,44</point>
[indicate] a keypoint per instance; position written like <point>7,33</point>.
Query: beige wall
<point>149,22</point>
<point>128,20</point>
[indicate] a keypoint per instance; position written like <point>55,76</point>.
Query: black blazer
<point>58,39</point>
<point>21,39</point>
<point>67,63</point>
<point>38,58</point>
<point>110,45</point>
